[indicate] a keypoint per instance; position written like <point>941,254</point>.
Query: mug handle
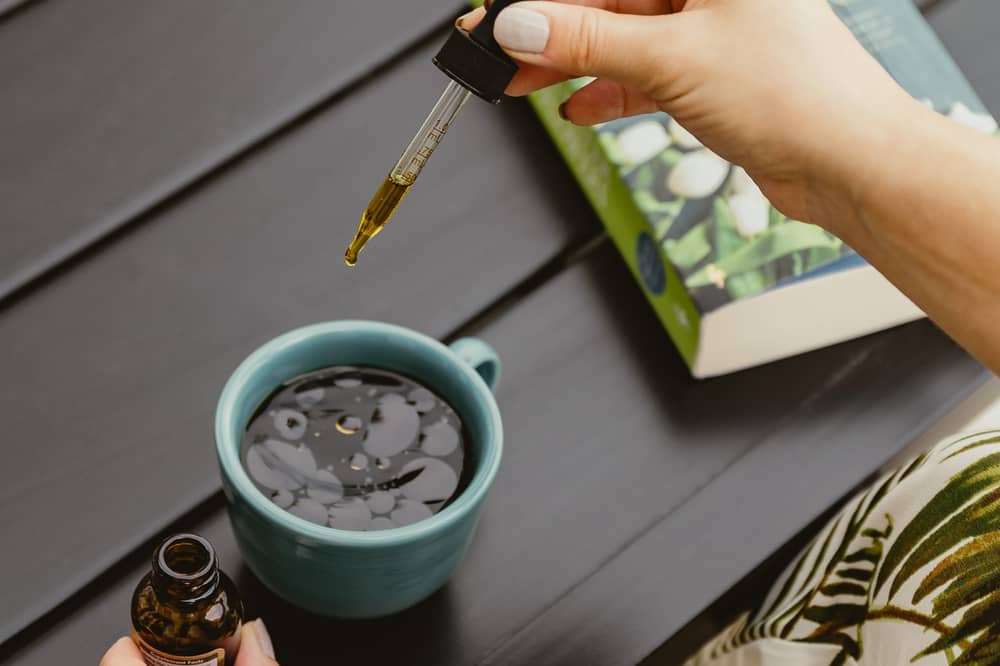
<point>482,357</point>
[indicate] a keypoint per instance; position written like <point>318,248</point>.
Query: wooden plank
<point>80,633</point>
<point>112,369</point>
<point>969,30</point>
<point>704,479</point>
<point>7,6</point>
<point>630,496</point>
<point>634,598</point>
<point>125,264</point>
<point>871,398</point>
<point>112,105</point>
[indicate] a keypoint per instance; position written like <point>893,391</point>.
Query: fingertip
<point>256,648</point>
<point>470,20</point>
<point>603,100</point>
<point>521,32</point>
<point>122,653</point>
<point>578,39</point>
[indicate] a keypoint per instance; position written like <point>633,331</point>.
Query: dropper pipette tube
<point>402,176</point>
<point>476,65</point>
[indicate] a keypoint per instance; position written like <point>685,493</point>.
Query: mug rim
<point>227,450</point>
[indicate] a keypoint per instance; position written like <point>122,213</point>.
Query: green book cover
<point>734,281</point>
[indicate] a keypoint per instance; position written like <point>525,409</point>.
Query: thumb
<point>255,646</point>
<point>584,41</point>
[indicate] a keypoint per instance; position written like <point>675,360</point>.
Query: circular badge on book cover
<point>650,266</point>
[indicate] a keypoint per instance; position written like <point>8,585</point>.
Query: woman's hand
<point>766,84</point>
<point>255,649</point>
<point>782,88</point>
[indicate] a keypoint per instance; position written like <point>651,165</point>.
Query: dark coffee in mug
<point>357,448</point>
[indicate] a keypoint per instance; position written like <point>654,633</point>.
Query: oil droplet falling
<point>348,424</point>
<point>359,461</point>
<point>383,463</point>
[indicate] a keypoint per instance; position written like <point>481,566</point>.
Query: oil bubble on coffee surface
<point>381,501</point>
<point>325,487</point>
<point>409,511</point>
<point>348,424</point>
<point>439,439</point>
<point>311,397</point>
<point>422,399</point>
<point>283,498</point>
<point>309,509</point>
<point>350,514</point>
<point>381,523</point>
<point>383,451</point>
<point>393,427</point>
<point>290,424</point>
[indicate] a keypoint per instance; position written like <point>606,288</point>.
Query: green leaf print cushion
<point>907,573</point>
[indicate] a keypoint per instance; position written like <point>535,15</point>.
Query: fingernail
<point>522,30</point>
<point>460,21</point>
<point>264,638</point>
<point>562,111</point>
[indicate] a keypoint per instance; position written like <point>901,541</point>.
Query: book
<point>735,282</point>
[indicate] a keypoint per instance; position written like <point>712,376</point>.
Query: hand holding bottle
<point>255,649</point>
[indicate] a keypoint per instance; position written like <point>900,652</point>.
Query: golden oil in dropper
<point>402,176</point>
<point>476,64</point>
<point>383,204</point>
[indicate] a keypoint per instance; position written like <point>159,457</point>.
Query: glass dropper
<point>476,64</point>
<point>402,176</point>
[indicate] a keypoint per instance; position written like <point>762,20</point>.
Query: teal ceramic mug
<point>358,574</point>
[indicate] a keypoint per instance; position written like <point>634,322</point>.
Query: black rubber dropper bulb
<point>475,60</point>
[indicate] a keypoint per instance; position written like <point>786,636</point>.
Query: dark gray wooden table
<point>178,181</point>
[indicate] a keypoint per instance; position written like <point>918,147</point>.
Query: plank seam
<point>925,8</point>
<point>16,7</point>
<point>803,407</point>
<point>90,240</point>
<point>115,567</point>
<point>73,596</point>
<point>572,254</point>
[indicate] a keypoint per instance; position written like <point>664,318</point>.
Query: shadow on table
<point>423,634</point>
<point>832,401</point>
<point>746,595</point>
<point>739,409</point>
<point>823,385</point>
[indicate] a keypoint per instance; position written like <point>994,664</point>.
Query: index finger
<point>639,7</point>
<point>530,77</point>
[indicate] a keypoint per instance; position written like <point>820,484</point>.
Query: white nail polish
<point>521,30</point>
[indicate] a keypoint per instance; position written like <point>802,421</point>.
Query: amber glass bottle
<point>186,611</point>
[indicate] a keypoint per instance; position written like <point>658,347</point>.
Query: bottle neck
<point>185,569</point>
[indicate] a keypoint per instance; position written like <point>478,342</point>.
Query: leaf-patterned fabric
<point>908,572</point>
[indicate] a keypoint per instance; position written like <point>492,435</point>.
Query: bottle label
<point>154,657</point>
